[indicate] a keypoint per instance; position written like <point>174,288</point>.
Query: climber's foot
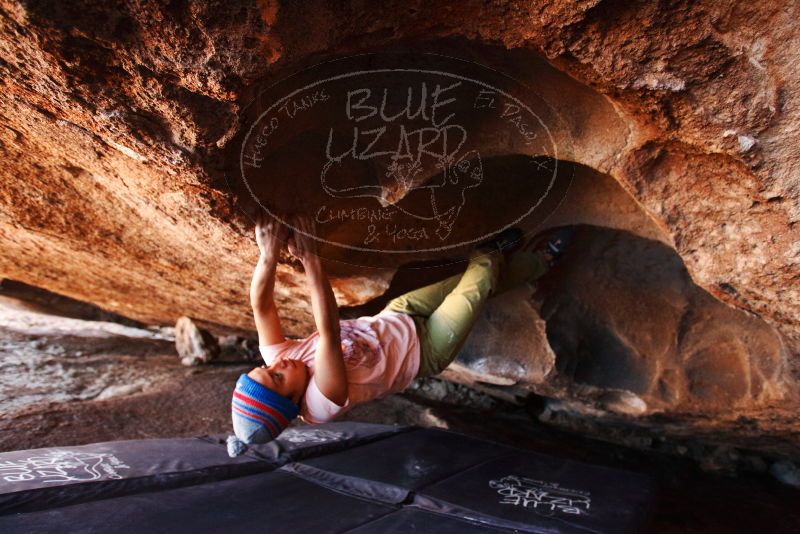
<point>505,242</point>
<point>553,243</point>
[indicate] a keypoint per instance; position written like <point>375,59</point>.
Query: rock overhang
<point>115,121</point>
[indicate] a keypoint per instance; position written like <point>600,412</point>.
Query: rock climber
<point>349,362</point>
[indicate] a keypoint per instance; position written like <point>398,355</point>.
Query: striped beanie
<point>259,414</point>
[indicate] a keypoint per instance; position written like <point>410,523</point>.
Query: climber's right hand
<point>271,234</point>
<point>302,244</point>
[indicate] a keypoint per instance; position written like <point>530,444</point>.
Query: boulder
<point>194,346</point>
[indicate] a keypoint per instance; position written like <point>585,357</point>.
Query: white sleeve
<point>317,408</point>
<point>269,352</point>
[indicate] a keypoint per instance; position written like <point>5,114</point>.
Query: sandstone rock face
<point>619,326</point>
<point>115,121</point>
<point>600,310</point>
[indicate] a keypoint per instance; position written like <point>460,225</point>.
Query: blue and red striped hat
<point>259,414</point>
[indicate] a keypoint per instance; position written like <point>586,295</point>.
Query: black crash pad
<point>525,489</point>
<point>505,487</point>
<point>56,476</point>
<point>274,502</point>
<point>411,460</point>
<point>338,477</point>
<point>406,520</point>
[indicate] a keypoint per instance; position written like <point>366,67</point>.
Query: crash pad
<point>338,477</point>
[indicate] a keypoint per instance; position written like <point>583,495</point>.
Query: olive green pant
<point>444,312</point>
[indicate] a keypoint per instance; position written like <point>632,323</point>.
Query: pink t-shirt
<point>381,355</point>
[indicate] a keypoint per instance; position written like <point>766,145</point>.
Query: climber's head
<point>286,376</point>
<point>266,400</point>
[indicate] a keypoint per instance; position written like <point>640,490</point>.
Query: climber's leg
<point>446,329</point>
<point>423,302</point>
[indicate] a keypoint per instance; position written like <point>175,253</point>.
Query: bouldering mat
<point>274,502</point>
<point>411,460</point>
<point>337,477</point>
<point>526,489</point>
<point>407,520</point>
<point>496,485</point>
<point>56,476</point>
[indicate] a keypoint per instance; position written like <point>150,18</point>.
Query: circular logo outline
<point>446,74</point>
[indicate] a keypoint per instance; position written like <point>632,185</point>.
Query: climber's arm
<point>270,236</point>
<point>265,313</point>
<point>329,370</point>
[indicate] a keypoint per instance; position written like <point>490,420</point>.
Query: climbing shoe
<point>554,242</point>
<point>505,242</point>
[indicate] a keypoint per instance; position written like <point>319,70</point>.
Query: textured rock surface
<point>619,326</point>
<point>601,309</point>
<point>115,118</point>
